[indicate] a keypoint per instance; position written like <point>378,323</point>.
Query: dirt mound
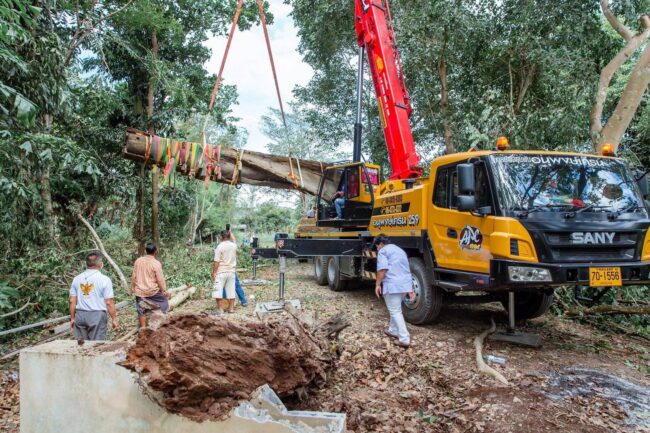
<point>201,367</point>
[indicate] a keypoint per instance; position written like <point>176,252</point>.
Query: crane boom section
<point>375,32</point>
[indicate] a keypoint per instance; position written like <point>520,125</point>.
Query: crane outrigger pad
<point>265,308</point>
<point>520,338</point>
<point>510,335</point>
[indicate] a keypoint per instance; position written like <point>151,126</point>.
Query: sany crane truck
<point>498,225</point>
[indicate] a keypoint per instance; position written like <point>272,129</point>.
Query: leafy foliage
<point>527,70</point>
<point>17,18</point>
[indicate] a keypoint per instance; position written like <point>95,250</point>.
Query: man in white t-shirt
<point>91,296</point>
<point>223,271</point>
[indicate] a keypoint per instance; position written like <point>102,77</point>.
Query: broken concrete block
<point>65,387</point>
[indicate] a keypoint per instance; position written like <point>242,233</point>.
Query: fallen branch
<point>482,366</point>
<point>100,247</point>
<point>42,323</point>
<point>607,310</point>
<point>34,325</point>
<point>58,332</point>
<point>181,297</point>
<point>178,289</point>
<point>609,325</point>
<point>27,304</point>
<point>128,335</point>
<point>45,340</point>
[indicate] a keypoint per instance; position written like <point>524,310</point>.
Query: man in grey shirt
<point>394,282</point>
<point>91,296</point>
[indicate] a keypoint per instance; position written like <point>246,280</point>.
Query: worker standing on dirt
<point>394,283</point>
<point>91,296</point>
<point>239,291</point>
<point>223,271</point>
<point>148,283</point>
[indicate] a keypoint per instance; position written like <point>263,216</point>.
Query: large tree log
<point>257,168</point>
<point>202,366</point>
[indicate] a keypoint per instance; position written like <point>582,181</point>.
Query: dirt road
<point>434,386</point>
<point>581,380</point>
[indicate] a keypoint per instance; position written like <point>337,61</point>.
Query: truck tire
<point>428,301</point>
<point>333,274</point>
<point>529,305</point>
<point>320,270</point>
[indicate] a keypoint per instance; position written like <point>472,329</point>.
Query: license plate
<point>604,277</point>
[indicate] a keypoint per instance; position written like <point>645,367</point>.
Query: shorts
<point>158,299</point>
<point>225,280</point>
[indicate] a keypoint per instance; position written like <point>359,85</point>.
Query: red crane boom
<point>376,34</point>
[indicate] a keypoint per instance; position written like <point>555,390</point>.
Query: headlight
<point>524,273</point>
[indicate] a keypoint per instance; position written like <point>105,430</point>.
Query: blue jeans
<point>339,204</point>
<point>239,290</point>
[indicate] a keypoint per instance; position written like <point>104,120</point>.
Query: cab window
<point>441,189</point>
<point>353,182</point>
<point>483,195</point>
<point>482,185</point>
<point>373,174</point>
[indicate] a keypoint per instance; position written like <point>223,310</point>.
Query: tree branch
<point>27,304</point>
<point>444,97</point>
<point>620,28</point>
<point>524,85</point>
<point>101,248</point>
<point>606,75</point>
<point>607,310</point>
<point>627,105</point>
<point>79,37</point>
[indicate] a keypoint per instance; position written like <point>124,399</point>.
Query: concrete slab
<point>65,387</point>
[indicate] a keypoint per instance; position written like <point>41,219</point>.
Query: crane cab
<point>351,188</point>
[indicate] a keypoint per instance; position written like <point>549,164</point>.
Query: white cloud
<point>248,68</point>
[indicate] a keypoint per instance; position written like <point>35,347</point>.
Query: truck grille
<point>562,249</point>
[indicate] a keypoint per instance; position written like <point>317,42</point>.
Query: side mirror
<point>642,180</point>
<point>466,203</point>
<point>466,181</point>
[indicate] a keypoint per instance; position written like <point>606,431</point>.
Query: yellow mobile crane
<point>510,225</point>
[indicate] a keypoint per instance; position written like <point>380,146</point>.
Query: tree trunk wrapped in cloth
<point>223,164</point>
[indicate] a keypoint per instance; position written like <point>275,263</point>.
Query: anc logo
<point>86,288</point>
<point>470,238</point>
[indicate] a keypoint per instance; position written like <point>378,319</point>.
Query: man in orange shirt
<point>148,283</point>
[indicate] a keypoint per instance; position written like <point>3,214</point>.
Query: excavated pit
<point>201,367</point>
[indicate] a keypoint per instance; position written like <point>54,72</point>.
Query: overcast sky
<point>249,69</point>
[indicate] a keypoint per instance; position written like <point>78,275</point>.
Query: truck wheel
<point>334,275</point>
<point>428,298</point>
<point>320,270</point>
<point>529,305</point>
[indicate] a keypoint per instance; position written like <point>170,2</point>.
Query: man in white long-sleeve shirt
<point>394,282</point>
